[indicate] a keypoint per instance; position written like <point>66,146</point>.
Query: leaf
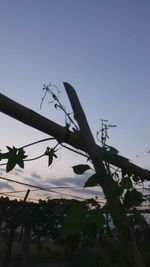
<point>74,220</point>
<point>136,178</point>
<point>50,152</point>
<point>116,210</point>
<point>126,183</point>
<point>133,198</point>
<point>10,165</point>
<point>92,181</point>
<point>50,159</point>
<point>97,218</point>
<point>14,156</point>
<point>81,168</point>
<point>20,163</point>
<point>20,158</point>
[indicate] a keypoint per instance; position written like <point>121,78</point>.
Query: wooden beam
<point>39,122</point>
<point>105,180</point>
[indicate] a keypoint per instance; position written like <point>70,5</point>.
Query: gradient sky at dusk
<point>102,48</point>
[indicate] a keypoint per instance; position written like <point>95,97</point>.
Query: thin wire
<point>38,187</point>
<point>44,189</point>
<point>76,197</point>
<point>37,142</point>
<point>69,195</point>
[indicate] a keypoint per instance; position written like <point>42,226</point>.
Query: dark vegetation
<point>61,230</point>
<point>82,233</point>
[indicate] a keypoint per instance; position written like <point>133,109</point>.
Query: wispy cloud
<point>77,180</point>
<point>6,185</point>
<point>35,175</point>
<point>17,172</point>
<point>69,187</point>
<point>2,170</point>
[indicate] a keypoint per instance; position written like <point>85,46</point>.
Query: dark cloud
<point>2,170</point>
<point>96,191</point>
<point>34,182</point>
<point>78,180</point>
<point>35,175</point>
<point>66,181</point>
<point>6,185</point>
<point>17,171</point>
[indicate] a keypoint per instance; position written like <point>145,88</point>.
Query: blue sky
<point>101,47</point>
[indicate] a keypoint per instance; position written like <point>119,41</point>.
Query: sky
<point>102,48</point>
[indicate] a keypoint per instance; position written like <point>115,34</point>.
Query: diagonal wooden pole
<point>107,183</point>
<point>35,120</point>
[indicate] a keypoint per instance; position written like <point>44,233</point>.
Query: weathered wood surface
<point>35,120</point>
<point>106,182</point>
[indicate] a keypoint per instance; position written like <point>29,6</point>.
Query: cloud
<point>6,185</point>
<point>17,172</point>
<point>35,175</point>
<point>93,191</point>
<point>2,170</point>
<point>77,180</point>
<point>36,183</point>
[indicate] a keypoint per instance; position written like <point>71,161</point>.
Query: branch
<point>35,120</point>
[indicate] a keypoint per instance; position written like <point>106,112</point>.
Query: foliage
<point>90,233</point>
<point>80,227</point>
<point>14,156</point>
<point>69,121</point>
<point>80,169</point>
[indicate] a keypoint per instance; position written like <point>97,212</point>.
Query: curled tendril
<point>57,104</point>
<point>103,132</point>
<point>48,89</point>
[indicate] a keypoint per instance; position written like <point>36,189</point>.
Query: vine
<point>122,198</point>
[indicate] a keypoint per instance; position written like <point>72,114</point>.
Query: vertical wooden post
<point>26,195</point>
<point>106,181</point>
